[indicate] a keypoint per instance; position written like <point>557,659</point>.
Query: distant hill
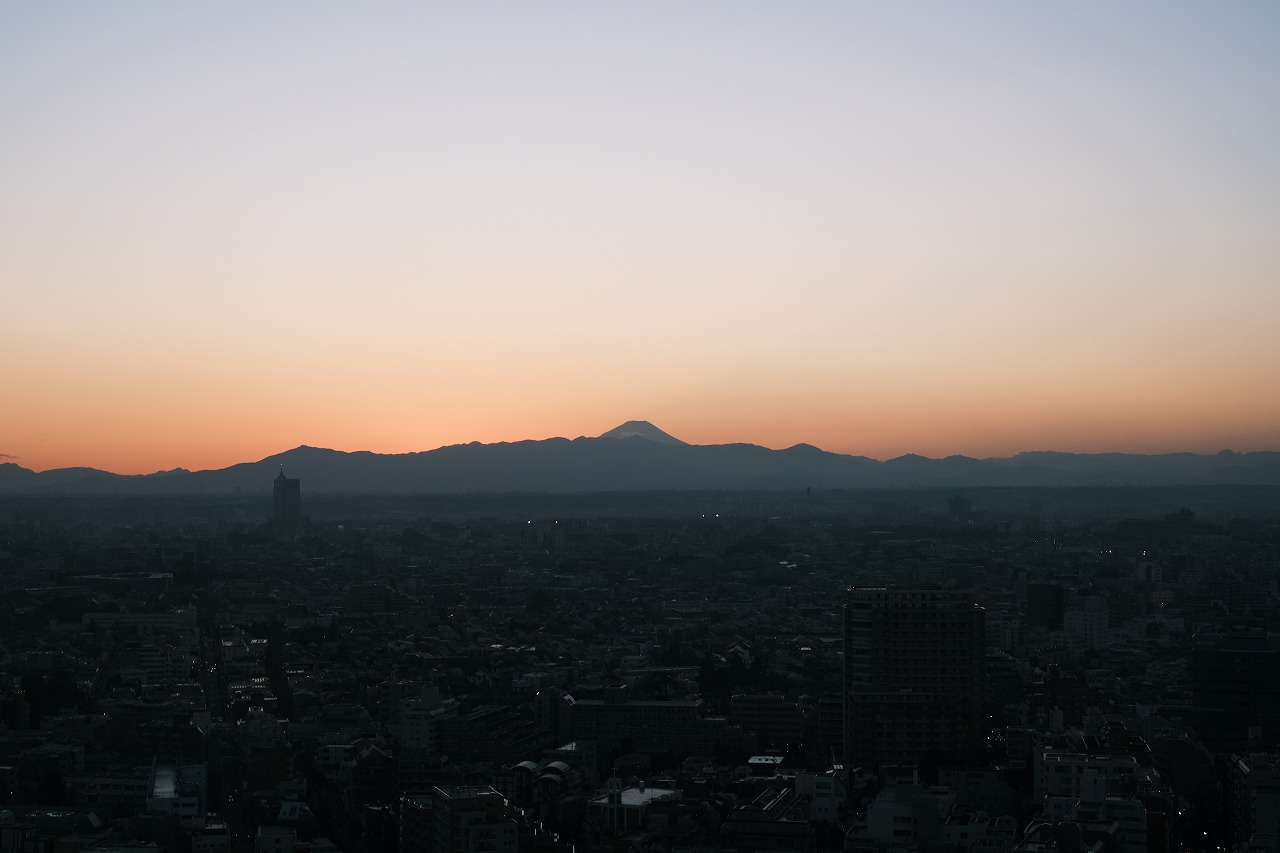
<point>637,456</point>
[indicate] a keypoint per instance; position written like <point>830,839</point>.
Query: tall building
<point>913,674</point>
<point>1253,800</point>
<point>1234,690</point>
<point>1046,604</point>
<point>286,506</point>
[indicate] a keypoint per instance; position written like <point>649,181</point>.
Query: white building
<point>181,790</point>
<point>1090,623</point>
<point>824,792</point>
<point>621,810</point>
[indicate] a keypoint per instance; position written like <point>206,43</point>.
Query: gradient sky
<point>229,229</point>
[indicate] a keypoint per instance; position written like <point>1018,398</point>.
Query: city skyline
<point>225,232</point>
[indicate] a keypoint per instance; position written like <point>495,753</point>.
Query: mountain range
<point>637,456</point>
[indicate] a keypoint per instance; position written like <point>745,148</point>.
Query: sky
<point>940,228</point>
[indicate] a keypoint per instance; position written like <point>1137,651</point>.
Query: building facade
<point>913,674</point>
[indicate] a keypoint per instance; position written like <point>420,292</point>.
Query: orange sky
<point>225,232</point>
<point>980,420</point>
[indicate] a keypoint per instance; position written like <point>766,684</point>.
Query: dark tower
<point>1046,604</point>
<point>913,674</point>
<point>287,506</point>
<point>1234,689</point>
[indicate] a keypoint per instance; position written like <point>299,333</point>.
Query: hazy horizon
<point>921,228</point>
<point>281,451</point>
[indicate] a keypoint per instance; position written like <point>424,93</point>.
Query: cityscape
<point>639,427</point>
<point>986,669</point>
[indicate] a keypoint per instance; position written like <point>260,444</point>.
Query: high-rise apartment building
<point>913,674</point>
<point>286,505</point>
<point>1234,690</point>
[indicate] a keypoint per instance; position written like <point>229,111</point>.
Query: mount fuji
<point>638,456</point>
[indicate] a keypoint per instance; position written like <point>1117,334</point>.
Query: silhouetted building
<point>777,721</point>
<point>913,666</point>
<point>495,733</point>
<point>1252,800</point>
<point>287,506</point>
<point>960,510</point>
<point>1234,689</point>
<point>1070,694</point>
<point>617,718</point>
<point>1046,605</point>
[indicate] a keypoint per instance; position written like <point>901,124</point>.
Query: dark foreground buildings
<point>913,666</point>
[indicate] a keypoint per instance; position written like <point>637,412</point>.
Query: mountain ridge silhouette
<point>638,456</point>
